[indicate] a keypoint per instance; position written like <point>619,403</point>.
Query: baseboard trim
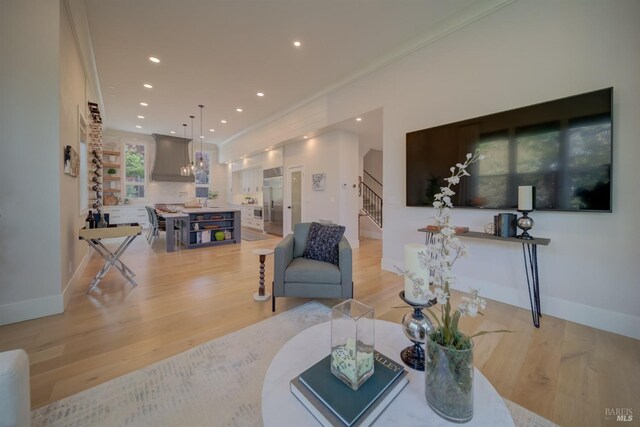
<point>377,235</point>
<point>67,291</point>
<point>31,309</point>
<point>45,306</point>
<point>595,317</point>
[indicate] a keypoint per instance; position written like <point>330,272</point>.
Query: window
<point>134,170</point>
<point>202,176</point>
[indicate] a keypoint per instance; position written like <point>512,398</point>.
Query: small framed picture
<point>71,161</point>
<point>319,181</point>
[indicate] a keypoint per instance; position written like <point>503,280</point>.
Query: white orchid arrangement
<point>439,257</point>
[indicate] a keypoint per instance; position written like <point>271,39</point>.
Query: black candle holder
<point>417,328</point>
<point>525,223</point>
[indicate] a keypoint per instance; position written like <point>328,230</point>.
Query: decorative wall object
<point>95,157</point>
<point>319,181</point>
<point>71,161</point>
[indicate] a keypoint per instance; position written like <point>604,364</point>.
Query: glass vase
<point>352,342</point>
<point>449,381</point>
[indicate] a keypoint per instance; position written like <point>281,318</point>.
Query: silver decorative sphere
<point>416,326</point>
<point>525,223</point>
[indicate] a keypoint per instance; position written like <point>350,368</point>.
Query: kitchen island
<point>200,227</point>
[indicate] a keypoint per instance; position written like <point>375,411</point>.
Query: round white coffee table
<point>280,408</point>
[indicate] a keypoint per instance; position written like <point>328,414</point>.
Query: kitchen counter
<point>213,209</point>
<point>195,232</point>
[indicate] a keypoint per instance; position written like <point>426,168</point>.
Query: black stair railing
<point>372,204</point>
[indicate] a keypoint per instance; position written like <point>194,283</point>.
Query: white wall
<point>307,118</point>
<point>333,154</point>
<point>524,53</point>
<point>74,94</point>
<point>373,164</point>
<point>31,160</point>
<point>170,192</point>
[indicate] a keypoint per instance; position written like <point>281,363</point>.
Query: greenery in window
<point>134,170</point>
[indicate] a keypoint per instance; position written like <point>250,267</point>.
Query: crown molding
<point>441,29</point>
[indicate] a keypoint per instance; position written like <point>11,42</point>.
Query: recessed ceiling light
<point>141,117</point>
<point>201,136</point>
<point>144,104</point>
<point>173,131</point>
<point>154,59</point>
<point>305,137</point>
<point>212,130</point>
<point>242,158</point>
<point>359,119</point>
<point>139,127</point>
<point>297,43</point>
<point>267,149</point>
<point>227,162</point>
<point>239,110</point>
<point>223,122</point>
<point>147,85</point>
<point>260,94</point>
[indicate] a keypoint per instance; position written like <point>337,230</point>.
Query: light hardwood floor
<point>565,372</point>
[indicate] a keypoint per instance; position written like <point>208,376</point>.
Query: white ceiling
<point>221,53</point>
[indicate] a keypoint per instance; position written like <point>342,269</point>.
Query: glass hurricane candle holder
<point>352,342</point>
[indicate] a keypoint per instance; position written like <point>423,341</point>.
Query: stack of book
<point>333,403</point>
<point>504,225</point>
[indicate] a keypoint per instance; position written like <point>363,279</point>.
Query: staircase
<point>371,200</point>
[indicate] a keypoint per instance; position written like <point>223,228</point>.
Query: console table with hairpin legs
<point>530,253</point>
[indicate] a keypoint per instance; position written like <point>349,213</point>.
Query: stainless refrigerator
<point>272,196</point>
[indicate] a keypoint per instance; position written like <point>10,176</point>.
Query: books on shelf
<point>333,403</point>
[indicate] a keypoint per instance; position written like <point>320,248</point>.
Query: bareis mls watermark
<point>618,414</point>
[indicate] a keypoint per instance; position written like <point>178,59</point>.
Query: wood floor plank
<point>566,372</point>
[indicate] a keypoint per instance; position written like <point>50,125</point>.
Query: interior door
<point>294,196</point>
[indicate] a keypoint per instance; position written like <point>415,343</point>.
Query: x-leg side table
<point>93,238</point>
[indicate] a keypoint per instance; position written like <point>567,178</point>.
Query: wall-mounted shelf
<point>111,187</point>
<point>530,252</point>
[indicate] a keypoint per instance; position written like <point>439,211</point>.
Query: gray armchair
<point>295,276</point>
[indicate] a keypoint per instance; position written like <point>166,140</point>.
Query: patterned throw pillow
<point>323,242</point>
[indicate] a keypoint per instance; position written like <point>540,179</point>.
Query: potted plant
<point>212,195</point>
<point>449,352</point>
<point>111,171</point>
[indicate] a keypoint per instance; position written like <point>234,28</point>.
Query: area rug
<point>218,383</point>
<point>252,236</point>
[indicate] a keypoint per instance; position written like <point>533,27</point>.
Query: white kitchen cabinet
<point>251,180</point>
<point>125,214</point>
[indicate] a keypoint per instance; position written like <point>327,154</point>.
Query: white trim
<point>443,28</point>
<point>377,235</point>
<point>595,317</point>
<point>68,290</point>
<point>31,309</point>
<point>287,217</point>
<point>45,306</point>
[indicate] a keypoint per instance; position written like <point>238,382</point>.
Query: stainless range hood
<point>171,155</point>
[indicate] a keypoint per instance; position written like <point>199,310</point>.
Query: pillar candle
<point>412,265</point>
<point>525,198</point>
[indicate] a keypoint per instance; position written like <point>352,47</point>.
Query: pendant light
<point>201,161</point>
<point>192,165</point>
<point>184,170</point>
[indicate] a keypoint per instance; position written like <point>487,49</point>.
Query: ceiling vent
<point>171,155</point>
